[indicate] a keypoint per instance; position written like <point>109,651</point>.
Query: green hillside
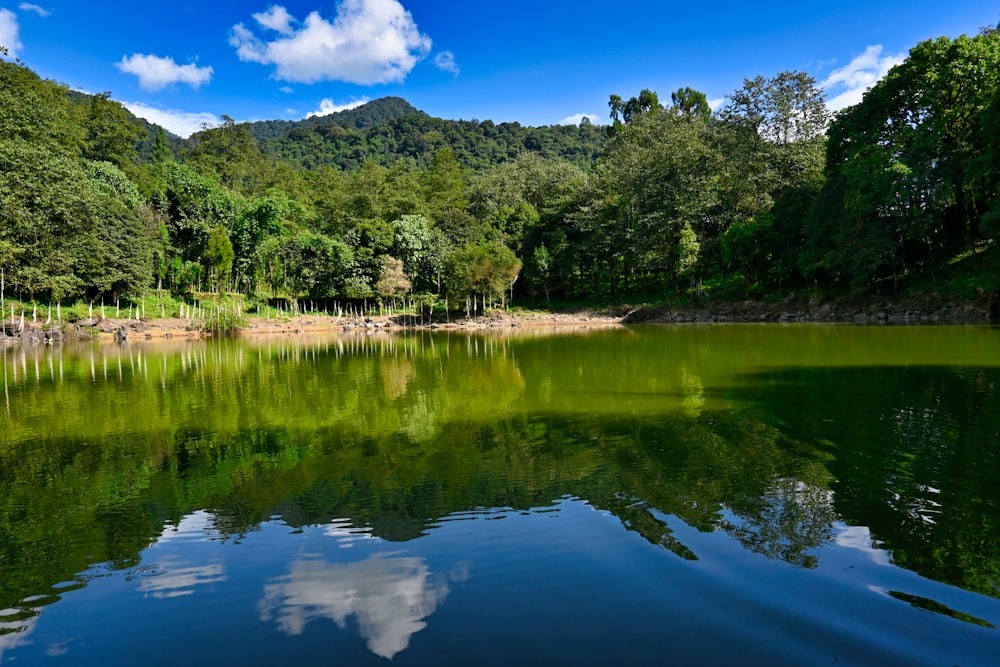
<point>767,197</point>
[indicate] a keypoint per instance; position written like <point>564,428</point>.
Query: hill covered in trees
<point>478,146</point>
<point>361,117</point>
<point>390,128</point>
<point>768,195</point>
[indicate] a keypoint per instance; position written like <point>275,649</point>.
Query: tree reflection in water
<point>846,443</point>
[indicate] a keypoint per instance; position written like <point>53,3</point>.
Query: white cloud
<point>445,61</point>
<point>716,103</point>
<point>28,7</point>
<point>156,73</point>
<point>9,30</point>
<point>181,123</point>
<point>288,90</point>
<point>576,119</point>
<point>369,42</point>
<point>847,85</point>
<point>277,19</point>
<point>327,107</point>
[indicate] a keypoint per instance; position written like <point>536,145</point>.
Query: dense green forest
<point>768,195</point>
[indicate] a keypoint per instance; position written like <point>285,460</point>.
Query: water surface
<point>696,495</point>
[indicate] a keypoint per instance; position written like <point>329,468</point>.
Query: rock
<point>32,336</point>
<point>121,334</point>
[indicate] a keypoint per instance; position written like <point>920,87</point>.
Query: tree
<point>112,132</point>
<point>230,153</point>
<point>392,281</point>
<point>260,219</point>
<point>194,205</point>
<point>75,225</point>
<point>770,140</point>
<point>907,183</point>
<point>487,269</point>
<point>691,102</point>
<point>219,256</point>
<point>624,112</point>
<point>413,244</point>
<point>312,265</point>
<point>161,152</point>
<point>444,183</point>
<point>658,176</point>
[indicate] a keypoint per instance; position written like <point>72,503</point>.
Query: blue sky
<point>182,63</point>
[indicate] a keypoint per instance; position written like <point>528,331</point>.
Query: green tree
<point>314,265</point>
<point>487,269</point>
<point>259,220</point>
<point>771,143</point>
<point>444,183</point>
<point>219,257</point>
<point>194,205</point>
<point>658,178</point>
<point>230,153</point>
<point>113,133</point>
<point>161,152</point>
<point>413,244</point>
<point>907,185</point>
<point>691,102</point>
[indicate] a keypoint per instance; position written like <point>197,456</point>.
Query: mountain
<point>367,115</point>
<point>390,129</point>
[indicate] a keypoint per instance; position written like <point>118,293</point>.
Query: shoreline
<point>914,311</point>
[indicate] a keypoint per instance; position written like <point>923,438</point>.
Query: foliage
<point>392,281</point>
<point>762,193</point>
<point>222,318</point>
<point>488,269</point>
<point>908,179</point>
<point>219,256</point>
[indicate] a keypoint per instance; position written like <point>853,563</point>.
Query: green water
<point>804,493</point>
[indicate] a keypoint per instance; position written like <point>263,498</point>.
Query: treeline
<point>389,129</point>
<point>477,145</point>
<point>767,194</point>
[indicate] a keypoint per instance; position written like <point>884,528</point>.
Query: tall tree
<point>658,180</point>
<point>907,185</point>
<point>230,153</point>
<point>112,132</point>
<point>691,102</point>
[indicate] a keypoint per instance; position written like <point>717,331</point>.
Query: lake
<point>722,494</point>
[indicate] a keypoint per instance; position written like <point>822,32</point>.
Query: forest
<point>768,196</point>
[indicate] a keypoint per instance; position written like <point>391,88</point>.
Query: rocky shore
<point>923,310</point>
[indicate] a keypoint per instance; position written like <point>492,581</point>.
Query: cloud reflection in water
<point>389,596</point>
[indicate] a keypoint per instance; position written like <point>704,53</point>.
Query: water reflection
<point>859,538</point>
<point>788,523</point>
<point>173,579</point>
<point>16,626</point>
<point>774,439</point>
<point>388,595</point>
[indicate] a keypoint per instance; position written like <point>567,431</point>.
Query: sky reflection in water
<point>749,494</point>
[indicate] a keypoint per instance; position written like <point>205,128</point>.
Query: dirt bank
<point>922,310</point>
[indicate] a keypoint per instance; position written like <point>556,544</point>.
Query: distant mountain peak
<point>369,114</point>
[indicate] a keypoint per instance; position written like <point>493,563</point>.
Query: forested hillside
<point>768,195</point>
<point>478,146</point>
